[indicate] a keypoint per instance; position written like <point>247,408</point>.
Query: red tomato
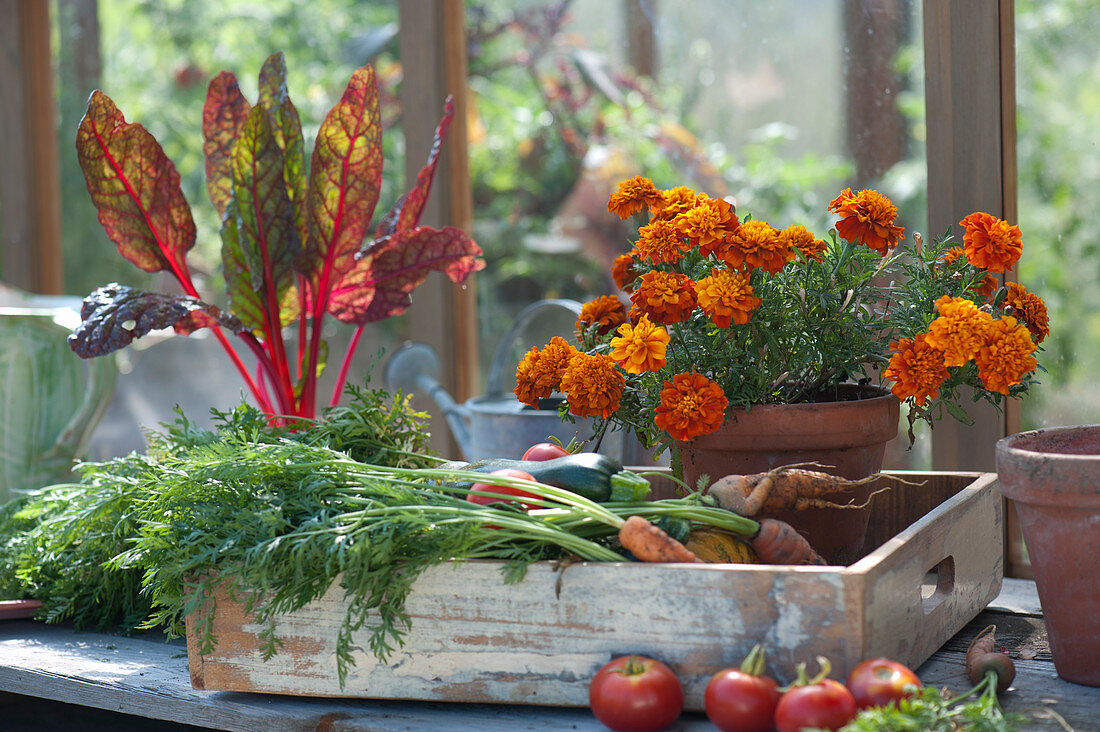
<point>879,681</point>
<point>545,451</point>
<point>737,701</point>
<point>636,694</point>
<point>826,704</point>
<point>502,489</point>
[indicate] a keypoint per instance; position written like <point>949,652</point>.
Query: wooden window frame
<point>30,184</point>
<point>970,91</point>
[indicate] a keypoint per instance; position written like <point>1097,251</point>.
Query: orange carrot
<point>650,543</point>
<point>982,660</point>
<point>782,488</point>
<point>778,543</point>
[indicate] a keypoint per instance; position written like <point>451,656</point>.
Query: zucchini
<point>589,474</point>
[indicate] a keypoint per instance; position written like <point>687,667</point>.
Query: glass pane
<point>778,106</point>
<point>155,61</point>
<point>1058,100</point>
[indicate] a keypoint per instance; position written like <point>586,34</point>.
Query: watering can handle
<point>496,368</point>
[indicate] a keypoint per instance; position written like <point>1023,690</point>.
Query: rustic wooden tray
<point>936,564</point>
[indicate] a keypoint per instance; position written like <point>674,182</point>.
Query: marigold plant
<point>718,311</point>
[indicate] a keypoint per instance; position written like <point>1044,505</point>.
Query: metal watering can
<point>496,424</point>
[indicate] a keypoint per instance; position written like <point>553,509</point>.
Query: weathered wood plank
<point>106,672</point>
<point>475,639</point>
<point>148,678</point>
<point>950,567</point>
<point>1037,693</point>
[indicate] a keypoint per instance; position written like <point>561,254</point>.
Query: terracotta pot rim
<point>791,425</point>
<point>1038,442</point>
<point>1040,467</point>
<point>865,395</point>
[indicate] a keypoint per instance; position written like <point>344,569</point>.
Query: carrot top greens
<point>276,517</point>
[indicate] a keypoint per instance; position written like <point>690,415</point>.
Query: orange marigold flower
<point>640,348</point>
<point>802,239</point>
<point>539,373</point>
<point>987,287</point>
<point>708,224</point>
<point>607,310</point>
<point>916,368</point>
<point>634,195</point>
<point>990,242</point>
<point>666,297</point>
<point>1005,356</point>
<point>691,405</point>
<point>661,241</point>
<point>1030,308</point>
<point>622,272</point>
<point>726,296</point>
<point>867,217</point>
<point>959,331</point>
<point>756,244</point>
<point>592,385</point>
<point>951,254</point>
<point>677,201</point>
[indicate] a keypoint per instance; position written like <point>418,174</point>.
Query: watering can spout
<point>414,368</point>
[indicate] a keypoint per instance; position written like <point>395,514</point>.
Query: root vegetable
<point>982,660</point>
<point>777,542</point>
<point>783,488</point>
<point>649,543</point>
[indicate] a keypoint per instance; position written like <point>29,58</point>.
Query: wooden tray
<point>475,639</point>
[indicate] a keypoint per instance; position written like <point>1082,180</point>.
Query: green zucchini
<point>596,477</point>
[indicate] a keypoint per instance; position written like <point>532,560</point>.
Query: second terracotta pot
<point>848,435</point>
<point>1053,478</point>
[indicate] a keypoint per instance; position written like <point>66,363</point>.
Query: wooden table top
<point>92,681</point>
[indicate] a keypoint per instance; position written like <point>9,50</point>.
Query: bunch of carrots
<point>790,487</point>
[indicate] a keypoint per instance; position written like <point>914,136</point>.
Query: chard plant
<point>296,238</point>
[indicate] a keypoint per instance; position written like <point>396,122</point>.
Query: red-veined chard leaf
<point>115,315</point>
<point>288,134</point>
<point>381,283</point>
<point>223,115</point>
<point>406,212</point>
<point>345,178</point>
<point>246,303</point>
<point>259,242</point>
<point>136,190</point>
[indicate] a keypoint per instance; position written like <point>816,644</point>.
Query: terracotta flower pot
<point>848,435</point>
<point>1053,476</point>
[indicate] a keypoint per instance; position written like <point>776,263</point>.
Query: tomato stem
<point>754,663</point>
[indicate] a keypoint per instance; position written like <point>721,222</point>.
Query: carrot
<point>982,660</point>
<point>783,488</point>
<point>778,543</point>
<point>650,543</point>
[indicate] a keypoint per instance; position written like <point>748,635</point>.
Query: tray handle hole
<point>938,583</point>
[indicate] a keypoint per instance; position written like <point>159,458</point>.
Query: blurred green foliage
<point>1058,103</point>
<point>158,57</point>
<point>558,119</point>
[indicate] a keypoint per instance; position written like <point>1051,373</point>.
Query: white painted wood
<point>475,639</point>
